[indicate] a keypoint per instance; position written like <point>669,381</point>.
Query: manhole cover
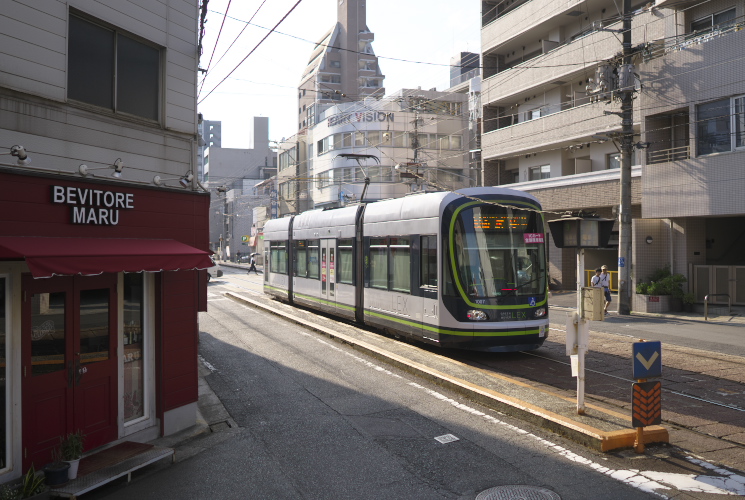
<point>517,492</point>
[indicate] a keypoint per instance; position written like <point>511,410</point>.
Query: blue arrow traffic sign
<point>647,360</point>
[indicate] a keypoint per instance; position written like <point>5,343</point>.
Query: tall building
<point>231,175</point>
<point>103,239</point>
<point>343,63</point>
<point>551,124</point>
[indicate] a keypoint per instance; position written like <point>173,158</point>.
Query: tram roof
<point>425,205</point>
<point>336,217</point>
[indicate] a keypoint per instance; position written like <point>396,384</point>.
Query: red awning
<point>47,257</point>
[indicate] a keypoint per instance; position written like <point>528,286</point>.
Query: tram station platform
<point>538,398</point>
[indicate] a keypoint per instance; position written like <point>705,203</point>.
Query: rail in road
<point>704,392</point>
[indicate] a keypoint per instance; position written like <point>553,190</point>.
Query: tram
<point>465,270</point>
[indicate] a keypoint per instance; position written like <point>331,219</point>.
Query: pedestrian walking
<point>252,267</point>
<point>604,281</point>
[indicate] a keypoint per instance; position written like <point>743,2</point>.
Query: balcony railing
<point>668,155</point>
<point>555,130</point>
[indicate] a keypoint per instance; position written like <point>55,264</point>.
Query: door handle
<point>80,371</point>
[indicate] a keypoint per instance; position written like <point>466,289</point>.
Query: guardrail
<point>706,304</point>
<point>668,155</point>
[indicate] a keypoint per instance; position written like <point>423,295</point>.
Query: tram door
<point>69,362</point>
<point>428,284</point>
<point>328,271</point>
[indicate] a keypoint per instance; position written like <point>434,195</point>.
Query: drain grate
<point>517,492</point>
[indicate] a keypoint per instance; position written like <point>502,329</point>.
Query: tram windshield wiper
<point>513,291</point>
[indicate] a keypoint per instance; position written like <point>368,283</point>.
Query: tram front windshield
<point>499,252</point>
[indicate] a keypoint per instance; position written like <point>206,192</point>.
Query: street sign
<point>622,262</point>
<point>245,238</point>
<point>647,360</point>
<point>646,404</point>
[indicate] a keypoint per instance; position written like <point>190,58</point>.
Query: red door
<point>69,362</point>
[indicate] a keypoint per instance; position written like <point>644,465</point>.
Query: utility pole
<point>626,89</point>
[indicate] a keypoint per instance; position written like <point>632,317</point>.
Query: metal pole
<point>627,149</point>
<point>582,328</point>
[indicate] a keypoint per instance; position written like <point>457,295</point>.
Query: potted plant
<point>71,449</point>
<point>31,486</point>
<point>55,473</point>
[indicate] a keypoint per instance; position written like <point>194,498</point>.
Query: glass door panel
<point>48,339</point>
<point>94,325</point>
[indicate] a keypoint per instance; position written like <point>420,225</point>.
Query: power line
<point>252,51</point>
<point>215,47</point>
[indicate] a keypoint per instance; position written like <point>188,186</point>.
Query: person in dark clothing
<point>252,267</point>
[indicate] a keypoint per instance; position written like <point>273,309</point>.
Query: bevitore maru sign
<point>92,206</point>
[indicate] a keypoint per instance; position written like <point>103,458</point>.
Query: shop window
<point>109,69</point>
<point>134,347</point>
<point>346,258</point>
<point>4,329</point>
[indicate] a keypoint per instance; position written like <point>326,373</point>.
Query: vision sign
<point>93,206</point>
<point>373,116</point>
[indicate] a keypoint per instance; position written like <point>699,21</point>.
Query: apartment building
<point>103,239</point>
<point>549,131</point>
<point>341,67</point>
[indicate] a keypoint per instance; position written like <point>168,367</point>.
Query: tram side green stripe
<point>461,333</point>
<point>423,326</point>
<point>327,302</point>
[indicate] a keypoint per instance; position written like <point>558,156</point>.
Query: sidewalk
<point>565,300</point>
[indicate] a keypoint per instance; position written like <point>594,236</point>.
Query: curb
<point>581,433</point>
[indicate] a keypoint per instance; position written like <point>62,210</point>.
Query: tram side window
<point>429,262</point>
<point>346,253</point>
<point>301,258</point>
<point>400,265</point>
<point>278,256</point>
<point>314,266</point>
<point>378,263</point>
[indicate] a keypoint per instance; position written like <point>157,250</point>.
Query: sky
<point>265,83</point>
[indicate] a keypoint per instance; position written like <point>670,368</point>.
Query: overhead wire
<point>252,50</point>
<point>214,48</point>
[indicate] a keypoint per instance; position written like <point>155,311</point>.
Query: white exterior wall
<point>60,135</point>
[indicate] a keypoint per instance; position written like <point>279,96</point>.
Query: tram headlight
<point>540,312</point>
<point>476,315</point>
